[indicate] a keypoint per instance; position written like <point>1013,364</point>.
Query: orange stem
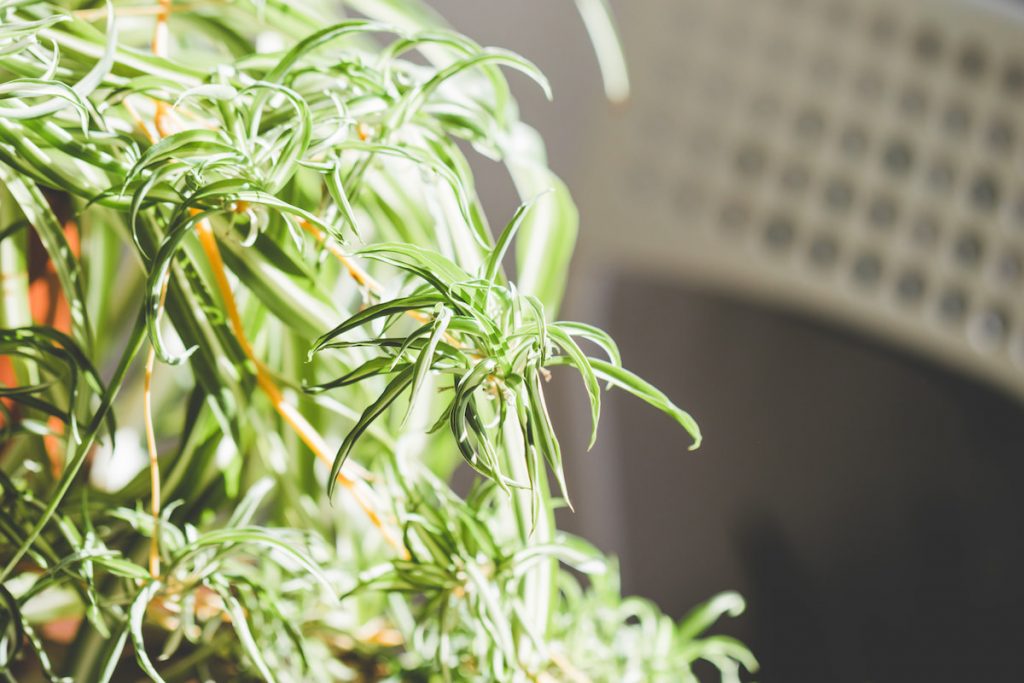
<point>159,48</point>
<point>154,465</point>
<point>357,273</point>
<point>305,431</point>
<point>360,275</point>
<point>204,231</point>
<point>140,10</point>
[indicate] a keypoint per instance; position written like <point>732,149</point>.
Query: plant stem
<point>288,413</point>
<point>14,303</point>
<point>15,308</point>
<point>154,463</point>
<point>74,464</point>
<point>538,585</point>
<point>306,432</point>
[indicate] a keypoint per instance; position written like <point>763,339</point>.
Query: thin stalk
<point>292,417</point>
<point>14,302</point>
<point>159,48</point>
<point>154,464</point>
<point>361,276</point>
<point>538,586</point>
<point>353,268</point>
<point>78,454</point>
<point>145,10</point>
<point>15,308</point>
<point>306,432</point>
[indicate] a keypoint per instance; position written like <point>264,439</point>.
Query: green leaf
<point>111,656</point>
<point>82,88</point>
<point>464,390</point>
<point>594,335</point>
<point>372,412</point>
<point>703,617</point>
<point>597,17</point>
<point>241,625</point>
<point>493,264</point>
<point>544,433</point>
<point>624,379</point>
<point>425,359</point>
<point>381,310</point>
<point>580,361</point>
<point>39,214</point>
<point>371,368</point>
<point>137,617</point>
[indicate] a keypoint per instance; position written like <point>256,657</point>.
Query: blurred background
<point>807,226</point>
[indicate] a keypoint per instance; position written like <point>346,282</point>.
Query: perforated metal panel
<point>858,158</point>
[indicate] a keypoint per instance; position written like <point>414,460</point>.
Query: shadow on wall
<point>865,503</point>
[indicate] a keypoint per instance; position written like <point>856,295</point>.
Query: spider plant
<point>286,321</point>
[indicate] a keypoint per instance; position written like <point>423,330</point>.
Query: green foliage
<point>362,290</point>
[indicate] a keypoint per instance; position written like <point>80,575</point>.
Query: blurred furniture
<point>811,233</point>
<point>857,159</point>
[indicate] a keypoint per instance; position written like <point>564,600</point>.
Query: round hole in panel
<point>750,160</point>
<point>779,233</point>
<point>823,251</point>
<point>952,305</point>
<point>910,287</point>
<point>898,156</point>
<point>985,191</point>
<point>956,119</point>
<point>967,249</point>
<point>1001,136</point>
<point>838,194</point>
<point>973,61</point>
<point>988,328</point>
<point>883,212</point>
<point>867,269</point>
<point>883,28</point>
<point>1013,79</point>
<point>928,44</point>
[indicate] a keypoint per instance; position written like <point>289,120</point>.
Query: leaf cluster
<point>281,210</point>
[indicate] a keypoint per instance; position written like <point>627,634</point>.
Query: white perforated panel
<point>861,158</point>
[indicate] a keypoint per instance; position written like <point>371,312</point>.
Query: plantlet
<point>270,250</point>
